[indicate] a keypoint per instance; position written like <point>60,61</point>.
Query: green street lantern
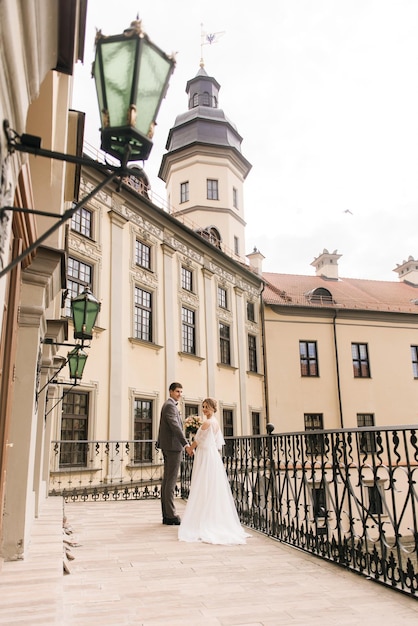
<point>76,362</point>
<point>131,76</point>
<point>85,309</point>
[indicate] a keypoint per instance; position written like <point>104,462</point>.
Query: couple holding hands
<point>210,515</point>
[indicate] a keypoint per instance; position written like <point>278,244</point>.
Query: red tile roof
<point>346,293</point>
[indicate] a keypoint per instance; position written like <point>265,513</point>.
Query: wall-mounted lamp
<point>85,309</point>
<point>129,100</point>
<point>76,361</point>
<point>131,76</point>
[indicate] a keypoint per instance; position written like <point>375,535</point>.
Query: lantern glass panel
<point>154,71</point>
<point>118,64</point>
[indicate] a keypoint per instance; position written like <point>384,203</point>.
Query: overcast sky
<point>325,96</point>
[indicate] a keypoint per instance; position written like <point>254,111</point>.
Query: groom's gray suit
<point>172,442</point>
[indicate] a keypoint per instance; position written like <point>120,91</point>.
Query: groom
<point>172,442</point>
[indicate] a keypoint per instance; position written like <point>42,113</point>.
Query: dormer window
<point>320,295</point>
<point>212,235</point>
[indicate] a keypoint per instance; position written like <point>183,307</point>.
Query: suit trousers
<point>172,460</point>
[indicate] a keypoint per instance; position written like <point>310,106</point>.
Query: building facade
<point>177,303</point>
<point>340,352</point>
<point>174,307</point>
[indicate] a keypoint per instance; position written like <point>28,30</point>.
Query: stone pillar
<point>170,316</point>
<point>242,362</point>
<point>41,282</point>
<point>116,333</point>
<point>211,332</point>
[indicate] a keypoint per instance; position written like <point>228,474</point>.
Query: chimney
<point>326,264</point>
<point>255,259</point>
<point>408,271</point>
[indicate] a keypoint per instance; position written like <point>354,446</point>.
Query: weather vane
<point>207,39</point>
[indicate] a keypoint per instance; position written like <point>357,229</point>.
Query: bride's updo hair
<point>211,403</point>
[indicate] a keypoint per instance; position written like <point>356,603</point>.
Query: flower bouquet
<point>192,424</point>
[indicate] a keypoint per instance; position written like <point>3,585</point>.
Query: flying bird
<point>348,211</point>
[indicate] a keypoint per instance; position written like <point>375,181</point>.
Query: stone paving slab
<point>129,569</point>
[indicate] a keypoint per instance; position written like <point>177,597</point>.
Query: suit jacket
<point>171,436</point>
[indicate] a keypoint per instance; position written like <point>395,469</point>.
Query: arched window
<point>195,100</point>
<point>206,99</point>
<point>214,236</point>
<point>320,294</point>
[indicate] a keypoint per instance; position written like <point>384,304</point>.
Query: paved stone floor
<point>129,569</point>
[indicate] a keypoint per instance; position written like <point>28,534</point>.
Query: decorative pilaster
<point>242,359</point>
<point>211,332</point>
<point>170,314</point>
<point>116,335</point>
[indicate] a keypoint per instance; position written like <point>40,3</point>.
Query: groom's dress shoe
<point>171,521</point>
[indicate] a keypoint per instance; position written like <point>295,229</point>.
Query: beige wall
<point>391,393</point>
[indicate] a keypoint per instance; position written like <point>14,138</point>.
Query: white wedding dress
<point>210,515</point>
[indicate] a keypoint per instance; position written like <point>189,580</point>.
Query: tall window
<point>236,245</point>
<point>255,423</point>
<point>79,276</point>
<point>414,356</point>
<point>367,441</point>
<point>191,409</point>
<point>228,430</point>
<point>252,353</point>
<point>212,189</point>
<point>186,278</point>
<point>143,315</point>
<point>256,430</point>
<point>81,222</point>
<point>360,356</point>
<point>142,430</point>
<point>184,192</point>
<point>222,298</point>
<point>235,197</point>
<point>142,254</point>
<point>319,501</point>
<point>225,343</point>
<point>188,330</point>
<point>375,500</point>
<point>308,358</point>
<point>228,422</point>
<point>74,429</point>
<point>250,312</point>
<point>314,443</point>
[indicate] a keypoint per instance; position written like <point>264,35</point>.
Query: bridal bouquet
<point>192,423</point>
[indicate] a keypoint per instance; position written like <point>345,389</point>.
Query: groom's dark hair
<point>174,386</point>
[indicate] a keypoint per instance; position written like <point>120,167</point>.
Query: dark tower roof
<point>204,122</point>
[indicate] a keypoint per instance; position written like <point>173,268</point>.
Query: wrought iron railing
<point>105,470</point>
<point>347,496</point>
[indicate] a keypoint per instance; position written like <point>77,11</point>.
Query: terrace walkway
<point>129,569</point>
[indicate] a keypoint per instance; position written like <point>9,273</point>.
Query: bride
<point>210,513</point>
